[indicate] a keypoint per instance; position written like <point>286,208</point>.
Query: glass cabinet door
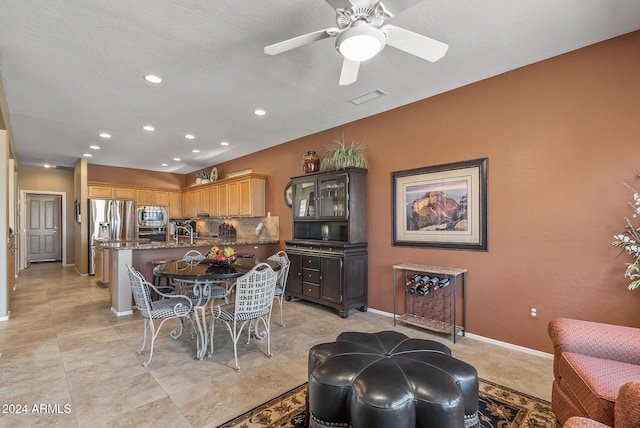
<point>332,198</point>
<point>304,199</point>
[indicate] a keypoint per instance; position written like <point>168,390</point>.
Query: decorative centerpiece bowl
<point>223,261</point>
<point>221,257</point>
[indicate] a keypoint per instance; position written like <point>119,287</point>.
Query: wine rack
<point>437,310</point>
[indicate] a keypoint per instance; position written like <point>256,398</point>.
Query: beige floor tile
<point>63,346</point>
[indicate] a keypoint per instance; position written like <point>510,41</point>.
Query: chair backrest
<point>193,256</point>
<point>140,291</point>
<point>282,258</point>
<point>254,292</point>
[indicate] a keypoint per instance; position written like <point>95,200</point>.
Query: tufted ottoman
<point>387,379</point>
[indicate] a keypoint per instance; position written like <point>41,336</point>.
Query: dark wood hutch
<point>328,251</point>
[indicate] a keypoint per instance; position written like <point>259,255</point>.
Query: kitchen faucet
<point>189,231</point>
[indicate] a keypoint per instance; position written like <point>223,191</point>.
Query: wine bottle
<point>413,280</point>
<point>433,283</point>
<point>443,282</point>
<point>412,284</point>
<point>423,289</point>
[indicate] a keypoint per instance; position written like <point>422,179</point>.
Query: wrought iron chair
<point>282,258</point>
<point>169,307</point>
<point>253,303</point>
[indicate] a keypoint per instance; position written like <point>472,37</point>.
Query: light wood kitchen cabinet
<point>144,197</point>
<point>214,203</point>
<point>223,200</point>
<point>161,198</point>
<point>124,193</point>
<point>103,192</point>
<point>175,204</point>
<point>153,197</point>
<point>242,196</point>
<point>202,200</point>
<point>246,197</point>
<point>189,203</point>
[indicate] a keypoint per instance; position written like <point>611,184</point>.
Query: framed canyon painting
<point>442,206</point>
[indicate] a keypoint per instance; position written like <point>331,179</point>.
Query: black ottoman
<point>387,379</point>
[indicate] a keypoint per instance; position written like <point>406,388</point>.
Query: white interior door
<point>43,228</point>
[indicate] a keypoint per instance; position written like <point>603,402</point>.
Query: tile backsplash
<point>247,228</point>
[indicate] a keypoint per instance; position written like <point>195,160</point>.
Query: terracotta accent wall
<point>561,136</point>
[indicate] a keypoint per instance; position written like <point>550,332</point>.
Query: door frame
<point>23,224</point>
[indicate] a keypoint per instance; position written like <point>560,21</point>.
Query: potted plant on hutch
<point>341,156</point>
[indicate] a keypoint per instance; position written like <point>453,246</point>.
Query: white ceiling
<point>74,68</point>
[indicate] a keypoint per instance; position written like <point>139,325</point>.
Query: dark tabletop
<point>205,270</point>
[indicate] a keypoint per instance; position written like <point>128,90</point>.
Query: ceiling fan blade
<point>296,42</point>
<point>340,4</point>
<point>414,43</point>
<point>394,7</point>
<point>349,73</point>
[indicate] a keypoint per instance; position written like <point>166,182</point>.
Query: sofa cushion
<point>595,382</point>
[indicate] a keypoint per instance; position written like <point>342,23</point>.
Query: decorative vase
<point>310,162</point>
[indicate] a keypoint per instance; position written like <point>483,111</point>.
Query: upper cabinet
<point>331,206</point>
<point>246,197</point>
<point>175,205</point>
<point>101,192</point>
<point>124,193</point>
<point>158,198</point>
<point>241,196</point>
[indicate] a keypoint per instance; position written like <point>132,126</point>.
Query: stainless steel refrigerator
<point>110,219</point>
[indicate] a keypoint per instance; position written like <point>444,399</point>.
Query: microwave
<point>149,216</point>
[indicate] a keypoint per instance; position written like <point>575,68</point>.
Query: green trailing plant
<point>341,155</point>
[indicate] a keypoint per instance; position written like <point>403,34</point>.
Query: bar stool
<point>167,288</point>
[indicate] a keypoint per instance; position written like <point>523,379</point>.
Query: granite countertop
<point>198,242</point>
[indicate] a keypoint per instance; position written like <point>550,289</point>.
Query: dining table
<point>210,281</point>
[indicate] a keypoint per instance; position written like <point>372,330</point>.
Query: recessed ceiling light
<point>87,155</point>
<point>177,159</point>
<point>46,165</point>
<point>148,128</point>
<point>195,151</point>
<point>224,143</point>
<point>190,136</point>
<point>164,164</point>
<point>94,147</point>
<point>105,135</point>
<point>153,78</point>
<point>259,112</point>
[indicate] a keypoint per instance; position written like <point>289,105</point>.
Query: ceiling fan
<point>360,35</point>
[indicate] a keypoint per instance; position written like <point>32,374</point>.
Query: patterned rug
<point>499,407</point>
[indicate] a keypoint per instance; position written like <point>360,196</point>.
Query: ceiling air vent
<point>371,95</point>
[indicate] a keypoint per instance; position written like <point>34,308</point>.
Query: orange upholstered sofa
<point>592,362</point>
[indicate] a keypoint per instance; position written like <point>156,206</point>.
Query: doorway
<point>43,228</point>
<point>42,212</point>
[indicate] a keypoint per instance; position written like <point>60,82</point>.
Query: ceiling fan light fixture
<point>360,43</point>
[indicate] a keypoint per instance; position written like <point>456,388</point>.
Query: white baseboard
<point>486,339</point>
<point>121,314</point>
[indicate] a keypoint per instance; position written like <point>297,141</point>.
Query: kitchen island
<point>139,255</point>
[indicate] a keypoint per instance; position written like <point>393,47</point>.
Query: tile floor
<point>67,360</point>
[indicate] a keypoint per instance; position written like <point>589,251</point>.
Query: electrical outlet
<point>533,312</point>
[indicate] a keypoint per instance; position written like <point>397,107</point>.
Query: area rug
<point>499,407</point>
